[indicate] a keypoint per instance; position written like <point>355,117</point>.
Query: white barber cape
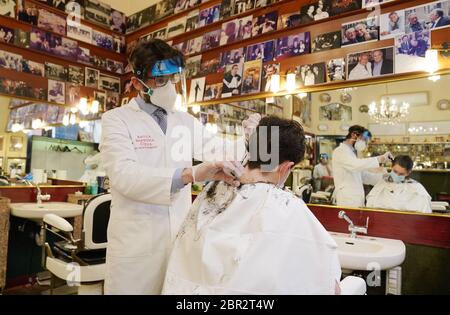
<point>257,239</point>
<point>408,196</point>
<point>350,173</point>
<point>140,161</point>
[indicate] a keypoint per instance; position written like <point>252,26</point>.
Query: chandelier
<point>388,112</point>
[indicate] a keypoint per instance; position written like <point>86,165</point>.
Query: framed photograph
<point>32,67</point>
<point>232,57</point>
<point>372,63</point>
<point>141,19</point>
<point>84,55</point>
<point>119,44</point>
<point>180,6</point>
<point>79,32</point>
<point>343,6</point>
<point>75,8</point>
<point>98,12</point>
<point>293,45</point>
<point>56,92</point>
<point>232,80</point>
<point>373,3</point>
<point>289,20</point>
<point>267,72</point>
<point>263,3</point>
<point>193,65</point>
<point>261,51</point>
<point>192,20</point>
<point>176,27</point>
<point>265,23</point>
<point>194,45</point>
<point>57,4</point>
<point>92,77</point>
<point>51,22</point>
<point>236,30</point>
<point>392,24</point>
<point>75,75</point>
<point>118,21</point>
<point>362,31</point>
<point>211,40</point>
<point>112,100</point>
<point>55,72</point>
<point>101,98</point>
<point>209,66</point>
<point>301,109</point>
<point>335,112</point>
<point>251,77</point>
<point>430,16</point>
<point>10,61</point>
<point>68,49</point>
<point>72,94</point>
<point>109,83</point>
<point>164,8</point>
<point>336,70</point>
<point>27,12</point>
<point>241,6</point>
<point>160,34</point>
<point>197,90</point>
<point>326,42</point>
<point>312,74</point>
<point>213,91</point>
<point>16,144</point>
<point>115,66</point>
<point>21,38</point>
<point>315,11</point>
<point>226,9</point>
<point>209,15</point>
<point>102,40</point>
<point>6,35</point>
<point>410,50</point>
<point>18,164</point>
<point>8,8</point>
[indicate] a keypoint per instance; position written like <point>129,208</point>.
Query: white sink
<point>38,211</point>
<point>369,253</point>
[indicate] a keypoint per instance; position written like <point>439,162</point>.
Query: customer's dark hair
<point>404,161</point>
<point>291,141</point>
<point>355,129</point>
<point>147,52</point>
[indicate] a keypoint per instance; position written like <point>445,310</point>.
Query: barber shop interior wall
<point>130,7</point>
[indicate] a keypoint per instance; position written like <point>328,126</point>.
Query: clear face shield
<point>165,84</point>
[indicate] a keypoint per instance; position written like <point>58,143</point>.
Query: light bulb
<point>66,120</point>
<point>83,106</point>
<point>290,82</point>
<point>195,109</point>
<point>17,127</point>
<point>95,107</point>
<point>73,119</point>
<point>275,83</point>
<point>431,61</point>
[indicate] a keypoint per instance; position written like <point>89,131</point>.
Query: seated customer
<point>399,192</point>
<point>256,239</point>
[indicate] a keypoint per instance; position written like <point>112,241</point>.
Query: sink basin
<point>368,253</point>
<point>38,211</point>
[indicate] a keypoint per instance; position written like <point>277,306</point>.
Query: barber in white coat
<point>350,172</point>
<point>147,149</point>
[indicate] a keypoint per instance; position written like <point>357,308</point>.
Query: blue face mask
<point>397,178</point>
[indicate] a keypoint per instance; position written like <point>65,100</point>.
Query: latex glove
<point>250,125</point>
<point>228,172</point>
<point>385,157</point>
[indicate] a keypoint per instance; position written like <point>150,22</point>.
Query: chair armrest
<point>58,222</point>
<point>353,286</point>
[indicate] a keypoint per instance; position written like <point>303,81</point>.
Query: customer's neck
<point>253,176</point>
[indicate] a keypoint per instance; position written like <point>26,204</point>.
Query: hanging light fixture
<point>95,107</point>
<point>388,112</point>
<point>83,106</point>
<point>290,81</point>
<point>275,83</point>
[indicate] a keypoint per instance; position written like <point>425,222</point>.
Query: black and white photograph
<point>52,22</point>
<point>374,3</point>
<point>362,31</point>
<point>68,49</point>
<point>79,32</point>
<point>267,72</point>
<point>10,61</point>
<point>232,80</point>
<point>293,45</point>
<point>55,72</point>
<point>197,90</point>
<point>141,19</point>
<point>43,41</point>
<point>27,12</point>
<point>343,6</point>
<point>164,8</point>
<point>213,91</point>
<point>75,75</point>
<point>289,20</point>
<point>241,6</point>
<point>194,45</point>
<point>372,63</point>
<point>160,34</point>
<point>326,41</point>
<point>193,65</point>
<point>232,56</point>
<point>209,15</point>
<point>8,8</point>
<point>265,23</point>
<point>180,6</point>
<point>98,62</point>
<point>192,21</point>
<point>211,40</point>
<point>428,17</point>
<point>226,9</point>
<point>101,98</point>
<point>98,12</point>
<point>102,40</point>
<point>115,66</point>
<point>315,11</point>
<point>118,21</point>
<point>119,44</point>
<point>92,77</point>
<point>73,93</point>
<point>312,74</point>
<point>392,24</point>
<point>84,55</point>
<point>236,30</point>
<point>336,70</point>
<point>251,77</point>
<point>410,50</point>
<point>112,100</point>
<point>261,51</point>
<point>263,3</point>
<point>335,112</point>
<point>176,27</point>
<point>6,35</point>
<point>32,67</point>
<point>109,83</point>
<point>57,4</point>
<point>56,92</point>
<point>21,38</point>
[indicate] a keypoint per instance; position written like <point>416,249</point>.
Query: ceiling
<point>130,7</point>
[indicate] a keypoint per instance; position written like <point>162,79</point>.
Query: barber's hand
<point>251,124</point>
<point>228,172</point>
<point>385,157</point>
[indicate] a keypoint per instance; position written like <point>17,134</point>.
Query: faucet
<point>354,229</point>
<point>40,197</point>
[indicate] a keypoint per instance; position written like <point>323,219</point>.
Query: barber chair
<point>323,197</point>
<point>80,263</point>
<point>440,206</point>
<point>305,189</point>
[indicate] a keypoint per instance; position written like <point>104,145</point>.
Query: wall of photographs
<point>233,47</point>
<point>39,40</point>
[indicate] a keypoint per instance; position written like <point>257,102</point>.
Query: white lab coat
<point>320,171</point>
<point>257,239</point>
<point>140,161</point>
<point>350,173</point>
<point>409,196</point>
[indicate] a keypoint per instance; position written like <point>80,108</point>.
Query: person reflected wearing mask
<point>398,191</point>
<point>350,172</point>
<point>321,171</point>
